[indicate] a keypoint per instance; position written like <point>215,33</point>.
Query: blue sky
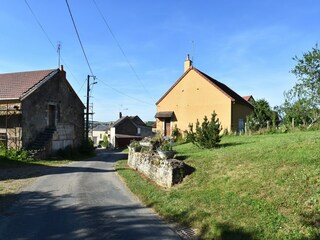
<point>247,45</point>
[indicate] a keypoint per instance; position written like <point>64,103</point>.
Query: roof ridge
<point>33,71</point>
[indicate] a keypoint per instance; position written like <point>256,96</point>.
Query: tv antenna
<point>58,51</point>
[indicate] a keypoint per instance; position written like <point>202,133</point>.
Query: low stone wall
<point>165,172</point>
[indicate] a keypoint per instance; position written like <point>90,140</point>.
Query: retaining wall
<point>165,172</point>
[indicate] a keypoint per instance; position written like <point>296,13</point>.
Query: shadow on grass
<point>221,231</point>
<point>229,232</point>
<point>44,215</point>
<point>311,220</point>
<point>181,157</point>
<point>232,144</point>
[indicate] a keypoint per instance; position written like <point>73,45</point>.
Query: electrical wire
<point>121,49</point>
<point>124,94</point>
<point>75,28</point>
<point>48,38</point>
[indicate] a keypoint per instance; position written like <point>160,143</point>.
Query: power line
<point>48,38</point>
<point>124,94</point>
<point>75,27</point>
<point>121,49</point>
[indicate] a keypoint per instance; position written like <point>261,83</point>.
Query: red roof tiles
<point>15,85</point>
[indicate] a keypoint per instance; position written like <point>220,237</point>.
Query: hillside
<point>252,187</point>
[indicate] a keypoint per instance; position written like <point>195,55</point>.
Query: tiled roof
<point>222,87</point>
<point>15,85</point>
<point>226,90</point>
<point>247,98</point>
<point>167,114</point>
<point>101,128</point>
<point>134,119</point>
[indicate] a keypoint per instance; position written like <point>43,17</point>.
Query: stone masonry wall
<point>164,172</point>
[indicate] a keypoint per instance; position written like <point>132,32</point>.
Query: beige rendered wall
<point>193,98</point>
<point>239,111</point>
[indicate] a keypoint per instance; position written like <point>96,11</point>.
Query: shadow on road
<point>32,169</point>
<point>38,214</point>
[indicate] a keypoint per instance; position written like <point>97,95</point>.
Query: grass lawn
<point>252,187</point>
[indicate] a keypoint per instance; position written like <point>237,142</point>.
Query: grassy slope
<point>253,187</point>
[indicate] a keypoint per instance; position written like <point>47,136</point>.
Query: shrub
<point>87,148</point>
<point>177,135</point>
<point>105,142</point>
<point>208,134</point>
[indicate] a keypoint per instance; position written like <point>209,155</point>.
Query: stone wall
<point>63,137</point>
<point>165,172</point>
<point>68,111</point>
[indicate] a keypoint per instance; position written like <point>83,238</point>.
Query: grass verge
<point>251,187</point>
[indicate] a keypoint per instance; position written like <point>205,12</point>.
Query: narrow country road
<point>84,200</point>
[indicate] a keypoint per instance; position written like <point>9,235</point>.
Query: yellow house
<point>194,95</point>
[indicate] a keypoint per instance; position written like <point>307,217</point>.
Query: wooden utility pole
<point>86,138</point>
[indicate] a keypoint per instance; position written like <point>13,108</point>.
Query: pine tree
<point>206,135</point>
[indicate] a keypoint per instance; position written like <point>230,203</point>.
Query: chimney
<point>62,72</point>
<point>120,114</point>
<point>187,63</point>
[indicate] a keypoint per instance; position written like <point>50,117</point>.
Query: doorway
<point>167,127</point>
<point>52,116</point>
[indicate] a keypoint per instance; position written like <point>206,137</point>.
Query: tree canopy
<point>302,102</point>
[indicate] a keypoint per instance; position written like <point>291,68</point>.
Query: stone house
<point>126,129</point>
<point>40,110</point>
<point>98,133</point>
<point>196,94</point>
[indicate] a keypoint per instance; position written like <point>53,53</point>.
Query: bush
<point>14,154</point>
<point>105,142</point>
<point>208,134</point>
<point>177,135</point>
<point>87,148</point>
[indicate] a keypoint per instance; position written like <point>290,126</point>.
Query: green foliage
<point>17,154</point>
<point>261,116</point>
<point>135,145</point>
<point>302,102</point>
<point>206,135</point>
<point>166,145</point>
<point>85,150</point>
<point>105,142</point>
<point>177,135</point>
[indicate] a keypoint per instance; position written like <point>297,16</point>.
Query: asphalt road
<point>84,200</point>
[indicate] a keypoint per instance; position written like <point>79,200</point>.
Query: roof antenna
<point>58,51</point>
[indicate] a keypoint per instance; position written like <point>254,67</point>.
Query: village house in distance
<point>40,110</point>
<point>194,95</point>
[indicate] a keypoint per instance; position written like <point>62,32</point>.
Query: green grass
<point>18,163</point>
<point>252,187</point>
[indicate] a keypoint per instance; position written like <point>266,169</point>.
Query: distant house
<point>126,129</point>
<point>196,94</point>
<point>40,110</point>
<point>248,98</point>
<point>98,133</point>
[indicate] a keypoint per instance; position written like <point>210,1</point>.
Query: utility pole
<point>87,113</point>
<point>86,137</point>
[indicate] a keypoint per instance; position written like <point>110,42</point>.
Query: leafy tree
<point>206,135</point>
<point>302,102</point>
<point>262,114</point>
